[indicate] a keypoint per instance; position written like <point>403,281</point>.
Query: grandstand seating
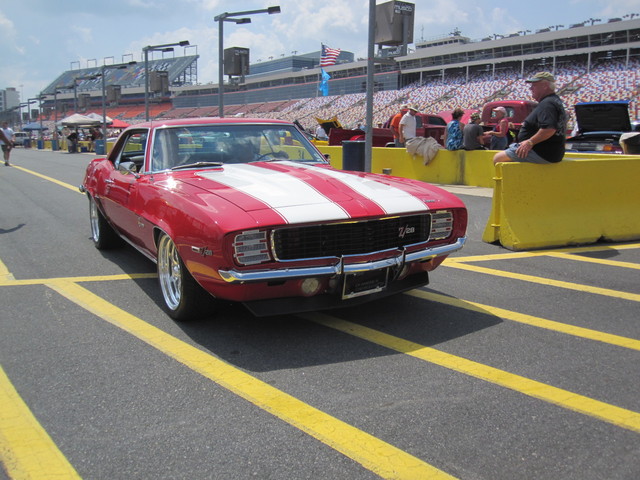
<point>610,80</point>
<point>607,80</point>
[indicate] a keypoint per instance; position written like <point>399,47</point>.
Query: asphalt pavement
<point>508,365</point>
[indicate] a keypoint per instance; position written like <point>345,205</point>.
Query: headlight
<point>251,247</point>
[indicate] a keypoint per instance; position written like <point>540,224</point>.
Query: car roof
<point>207,121</point>
<point>603,116</point>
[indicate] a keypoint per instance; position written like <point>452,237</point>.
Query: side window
<point>166,148</point>
<point>132,149</point>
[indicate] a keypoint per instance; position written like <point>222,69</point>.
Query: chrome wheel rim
<point>95,220</point>
<point>169,272</point>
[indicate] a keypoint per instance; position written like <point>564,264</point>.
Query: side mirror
<point>127,168</point>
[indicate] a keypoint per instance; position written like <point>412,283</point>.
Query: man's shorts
<point>532,157</point>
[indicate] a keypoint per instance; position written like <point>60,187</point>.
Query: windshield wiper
<point>271,157</point>
<point>197,165</point>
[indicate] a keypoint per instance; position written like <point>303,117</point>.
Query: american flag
<point>329,56</point>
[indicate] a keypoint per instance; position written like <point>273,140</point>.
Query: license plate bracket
<point>365,283</point>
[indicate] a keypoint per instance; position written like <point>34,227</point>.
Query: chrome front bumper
<point>342,267</point>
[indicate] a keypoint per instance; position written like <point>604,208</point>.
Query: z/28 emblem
<point>406,230</point>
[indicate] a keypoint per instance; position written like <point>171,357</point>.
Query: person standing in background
<point>499,134</point>
<point>473,134</point>
<point>453,132</point>
<point>408,125</point>
<point>6,142</point>
<point>395,125</point>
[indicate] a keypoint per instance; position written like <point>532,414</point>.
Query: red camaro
<point>249,210</point>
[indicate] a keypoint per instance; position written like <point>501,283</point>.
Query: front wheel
<point>183,297</point>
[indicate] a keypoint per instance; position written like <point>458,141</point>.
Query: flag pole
<point>319,72</point>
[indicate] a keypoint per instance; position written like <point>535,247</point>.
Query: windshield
<point>211,145</point>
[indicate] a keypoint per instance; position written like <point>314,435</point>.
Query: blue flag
<point>324,83</point>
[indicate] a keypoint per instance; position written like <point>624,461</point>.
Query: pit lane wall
<point>448,167</point>
<point>583,199</point>
<point>577,201</point>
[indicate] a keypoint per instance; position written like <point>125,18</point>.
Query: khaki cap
<point>541,76</point>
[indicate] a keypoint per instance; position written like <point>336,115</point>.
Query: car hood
<point>301,193</point>
<point>603,116</point>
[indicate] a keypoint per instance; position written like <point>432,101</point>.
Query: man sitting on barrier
<point>542,135</point>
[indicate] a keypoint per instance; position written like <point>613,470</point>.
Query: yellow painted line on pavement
<point>618,416</point>
<point>372,453</point>
<point>26,450</point>
<point>5,274</point>
<point>50,179</point>
<point>575,331</point>
<point>9,282</point>
<point>547,281</point>
<point>541,253</point>
<point>599,261</point>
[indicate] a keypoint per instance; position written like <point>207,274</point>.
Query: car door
<point>121,183</point>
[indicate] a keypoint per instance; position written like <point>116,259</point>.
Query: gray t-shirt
<point>470,136</point>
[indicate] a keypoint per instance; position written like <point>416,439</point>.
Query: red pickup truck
<point>517,111</point>
<point>427,126</point>
<point>433,125</point>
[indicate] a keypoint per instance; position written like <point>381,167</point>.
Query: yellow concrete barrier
<point>576,201</point>
<point>452,168</point>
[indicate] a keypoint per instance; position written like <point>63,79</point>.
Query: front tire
<point>103,235</point>
<point>184,299</point>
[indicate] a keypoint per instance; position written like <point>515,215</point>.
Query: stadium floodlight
<point>75,88</point>
<point>167,47</point>
<point>103,71</point>
<point>227,17</point>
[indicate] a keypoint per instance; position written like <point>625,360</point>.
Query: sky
<point>41,39</point>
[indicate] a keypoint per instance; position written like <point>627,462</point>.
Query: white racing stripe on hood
<point>391,199</point>
<point>292,198</point>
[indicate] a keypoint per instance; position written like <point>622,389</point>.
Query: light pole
<point>226,17</point>
<point>26,104</point>
<point>40,98</point>
<point>103,71</point>
<point>54,135</point>
<point>167,47</point>
<point>55,104</point>
<point>30,101</point>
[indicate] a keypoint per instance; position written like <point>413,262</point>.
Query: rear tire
<point>184,299</point>
<point>103,235</point>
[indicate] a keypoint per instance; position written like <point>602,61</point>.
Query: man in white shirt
<point>320,133</point>
<point>6,142</point>
<point>407,127</point>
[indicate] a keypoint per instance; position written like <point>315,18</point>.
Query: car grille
<point>337,239</point>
